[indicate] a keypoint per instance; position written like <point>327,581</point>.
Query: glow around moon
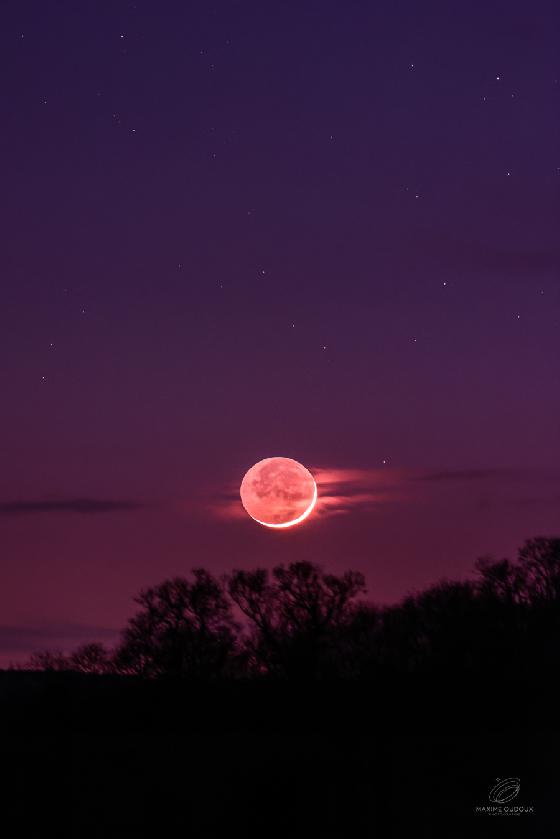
<point>278,492</point>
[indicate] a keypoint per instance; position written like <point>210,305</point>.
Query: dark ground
<point>105,756</point>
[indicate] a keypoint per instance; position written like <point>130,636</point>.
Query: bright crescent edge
<point>299,518</point>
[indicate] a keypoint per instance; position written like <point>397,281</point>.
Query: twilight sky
<point>230,230</point>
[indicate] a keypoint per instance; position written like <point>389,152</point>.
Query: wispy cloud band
<point>85,506</point>
<point>51,636</point>
<point>341,490</point>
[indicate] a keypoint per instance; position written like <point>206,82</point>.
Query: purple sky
<point>324,230</point>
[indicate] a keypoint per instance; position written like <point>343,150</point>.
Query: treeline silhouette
<point>298,622</point>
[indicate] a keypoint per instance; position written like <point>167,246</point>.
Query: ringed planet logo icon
<point>504,791</point>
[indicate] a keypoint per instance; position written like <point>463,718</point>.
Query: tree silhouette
<point>295,616</point>
<point>49,660</point>
<point>302,623</point>
<point>431,631</point>
<point>91,658</point>
<point>539,565</point>
<point>184,628</point>
<point>499,579</point>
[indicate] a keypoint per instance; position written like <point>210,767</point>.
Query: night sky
<point>230,230</point>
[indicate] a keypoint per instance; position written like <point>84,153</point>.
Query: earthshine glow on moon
<point>278,492</point>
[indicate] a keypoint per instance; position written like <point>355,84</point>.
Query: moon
<point>278,492</point>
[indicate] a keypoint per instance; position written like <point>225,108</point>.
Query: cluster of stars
<point>416,193</point>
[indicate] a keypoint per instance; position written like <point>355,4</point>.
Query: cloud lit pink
<point>339,491</point>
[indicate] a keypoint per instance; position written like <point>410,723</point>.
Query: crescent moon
<point>278,492</point>
<point>299,518</point>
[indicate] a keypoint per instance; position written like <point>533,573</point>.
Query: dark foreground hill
<point>105,756</point>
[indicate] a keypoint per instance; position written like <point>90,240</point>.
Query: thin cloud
<point>496,474</point>
<point>338,491</point>
<point>84,506</point>
<point>333,505</point>
<point>341,490</point>
<point>466,475</point>
<point>481,256</point>
<point>533,261</point>
<point>60,636</point>
<point>226,505</point>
